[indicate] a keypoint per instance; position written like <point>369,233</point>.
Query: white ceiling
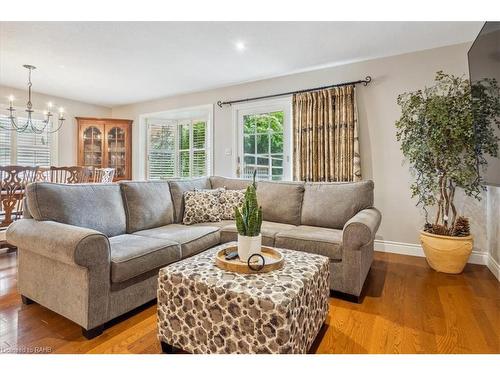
<point>115,63</point>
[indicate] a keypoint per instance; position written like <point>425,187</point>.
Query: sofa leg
<point>346,296</point>
<point>26,300</point>
<point>166,348</point>
<point>89,334</point>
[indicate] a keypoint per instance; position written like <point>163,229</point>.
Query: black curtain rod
<point>365,82</point>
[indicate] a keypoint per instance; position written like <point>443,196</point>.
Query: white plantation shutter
<point>161,151</point>
<point>184,134</point>
<point>199,167</point>
<point>5,142</point>
<point>177,149</point>
<point>199,164</point>
<point>33,149</point>
<point>26,148</point>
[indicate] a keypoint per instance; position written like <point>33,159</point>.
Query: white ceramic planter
<point>248,246</point>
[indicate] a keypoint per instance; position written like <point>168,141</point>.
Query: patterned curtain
<point>325,135</point>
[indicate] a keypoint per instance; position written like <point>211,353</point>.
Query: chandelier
<point>47,124</point>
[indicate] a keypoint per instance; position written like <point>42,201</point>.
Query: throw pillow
<point>201,206</point>
<point>228,200</point>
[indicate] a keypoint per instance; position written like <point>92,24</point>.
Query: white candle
<point>11,100</point>
<point>61,112</point>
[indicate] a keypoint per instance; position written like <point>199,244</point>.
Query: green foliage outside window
<point>263,139</point>
<point>184,137</point>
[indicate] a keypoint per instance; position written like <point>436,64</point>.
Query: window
<point>161,156</point>
<point>264,141</point>
<point>26,148</point>
<point>177,148</point>
<point>263,145</point>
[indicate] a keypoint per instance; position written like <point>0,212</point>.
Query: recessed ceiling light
<point>240,46</point>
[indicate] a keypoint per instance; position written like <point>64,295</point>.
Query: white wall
<point>68,135</point>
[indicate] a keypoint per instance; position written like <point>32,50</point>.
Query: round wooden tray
<point>274,260</point>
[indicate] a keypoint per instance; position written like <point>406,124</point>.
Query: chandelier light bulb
<point>49,104</point>
<point>11,99</point>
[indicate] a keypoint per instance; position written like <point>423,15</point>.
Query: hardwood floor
<point>407,308</point>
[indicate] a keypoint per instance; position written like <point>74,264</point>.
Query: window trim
<point>270,105</point>
<point>209,147</point>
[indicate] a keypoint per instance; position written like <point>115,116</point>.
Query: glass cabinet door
<point>92,147</point>
<point>116,138</point>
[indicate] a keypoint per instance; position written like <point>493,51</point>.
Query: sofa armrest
<point>65,243</point>
<point>26,212</point>
<point>360,230</point>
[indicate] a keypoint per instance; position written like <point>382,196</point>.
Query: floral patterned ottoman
<point>204,309</point>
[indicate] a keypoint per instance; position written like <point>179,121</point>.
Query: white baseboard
<point>477,257</point>
<point>399,248</point>
<point>493,266</point>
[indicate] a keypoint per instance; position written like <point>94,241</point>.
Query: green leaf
<point>446,132</point>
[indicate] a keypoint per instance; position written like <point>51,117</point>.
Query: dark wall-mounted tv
<point>484,62</point>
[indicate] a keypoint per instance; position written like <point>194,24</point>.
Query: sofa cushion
<point>177,189</point>
<point>229,199</point>
<point>281,201</point>
<point>268,230</point>
<point>331,205</point>
<point>218,224</point>
<point>192,239</point>
<point>134,255</point>
<point>93,206</point>
<point>201,206</point>
<point>148,204</point>
<point>322,241</point>
<point>229,183</point>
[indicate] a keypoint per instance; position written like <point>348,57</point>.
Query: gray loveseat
<point>91,252</point>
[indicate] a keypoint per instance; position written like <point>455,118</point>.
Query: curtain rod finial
<point>368,79</point>
<point>219,103</point>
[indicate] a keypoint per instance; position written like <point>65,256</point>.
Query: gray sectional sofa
<point>91,252</point>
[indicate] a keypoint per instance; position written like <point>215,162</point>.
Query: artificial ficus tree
<point>446,131</point>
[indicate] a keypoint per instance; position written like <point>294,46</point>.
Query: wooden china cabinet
<point>106,143</point>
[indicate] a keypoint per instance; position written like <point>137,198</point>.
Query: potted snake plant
<point>248,223</point>
<point>445,132</point>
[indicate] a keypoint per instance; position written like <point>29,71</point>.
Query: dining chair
<point>43,174</point>
<point>103,175</point>
<point>13,181</point>
<point>69,175</point>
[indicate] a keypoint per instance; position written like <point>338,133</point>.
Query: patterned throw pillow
<point>201,206</point>
<point>228,200</point>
